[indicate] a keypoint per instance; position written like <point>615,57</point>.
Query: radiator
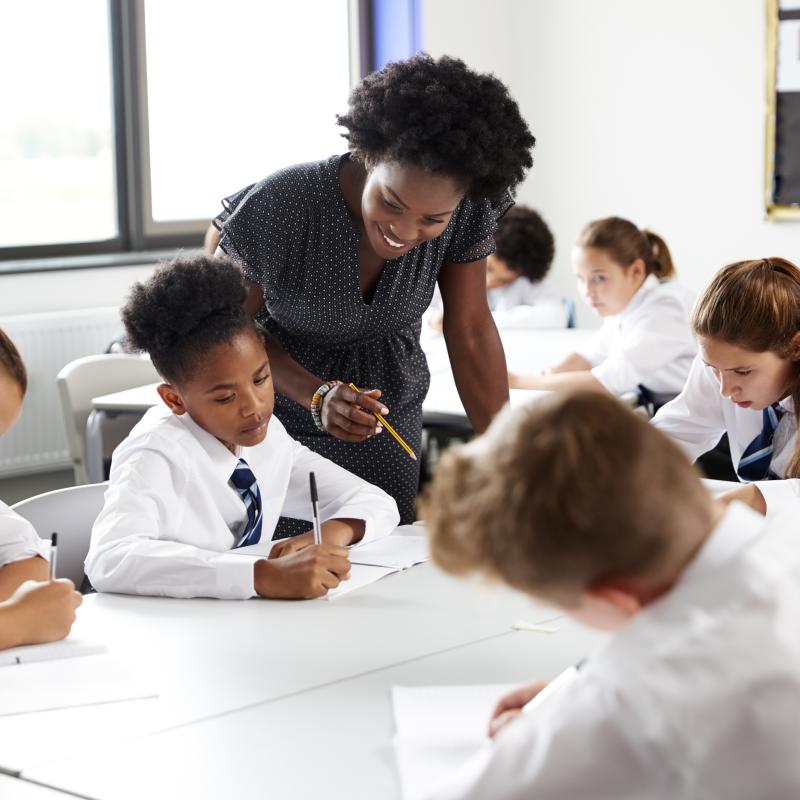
<point>47,342</point>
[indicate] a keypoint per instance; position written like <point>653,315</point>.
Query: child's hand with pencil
<point>348,415</point>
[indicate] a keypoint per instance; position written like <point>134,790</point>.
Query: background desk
<point>526,351</point>
<point>239,670</point>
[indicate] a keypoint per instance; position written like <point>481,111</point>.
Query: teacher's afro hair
<point>186,307</point>
<point>443,117</point>
<point>525,243</point>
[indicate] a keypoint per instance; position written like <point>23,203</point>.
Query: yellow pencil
<point>382,420</point>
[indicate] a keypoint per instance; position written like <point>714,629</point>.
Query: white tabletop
<point>333,741</point>
<point>209,657</point>
<point>16,789</point>
<point>526,351</point>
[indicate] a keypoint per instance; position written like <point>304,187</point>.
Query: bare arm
<point>558,380</point>
<point>13,575</point>
<point>571,363</point>
<point>473,344</point>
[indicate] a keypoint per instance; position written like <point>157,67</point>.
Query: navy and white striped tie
<point>755,461</point>
<point>247,486</point>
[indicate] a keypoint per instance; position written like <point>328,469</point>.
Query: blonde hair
<point>624,243</point>
<point>564,495</point>
<point>756,305</point>
<point>11,361</point>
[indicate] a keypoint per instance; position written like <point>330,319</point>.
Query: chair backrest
<point>70,513</point>
<point>569,304</point>
<point>88,377</point>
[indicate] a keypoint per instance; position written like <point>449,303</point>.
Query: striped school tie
<point>245,483</point>
<point>755,461</point>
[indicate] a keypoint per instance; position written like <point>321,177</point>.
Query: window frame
<point>139,238</point>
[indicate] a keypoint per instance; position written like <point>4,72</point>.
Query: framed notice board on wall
<point>782,163</point>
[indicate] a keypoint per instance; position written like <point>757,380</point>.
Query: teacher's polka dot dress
<point>291,233</point>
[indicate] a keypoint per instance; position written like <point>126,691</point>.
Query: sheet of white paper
<point>439,729</point>
<point>399,552</point>
<point>360,576</point>
<point>67,648</point>
<point>82,681</point>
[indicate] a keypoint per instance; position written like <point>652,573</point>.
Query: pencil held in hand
<point>386,425</point>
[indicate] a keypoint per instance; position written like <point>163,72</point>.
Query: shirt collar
<point>222,460</point>
<point>649,283</point>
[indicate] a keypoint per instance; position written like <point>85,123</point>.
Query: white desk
<point>526,351</point>
<point>15,789</point>
<point>333,741</point>
<point>211,657</point>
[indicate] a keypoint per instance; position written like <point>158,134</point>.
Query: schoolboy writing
<point>585,506</point>
<point>32,608</point>
<point>212,469</point>
<point>746,380</point>
<point>644,345</point>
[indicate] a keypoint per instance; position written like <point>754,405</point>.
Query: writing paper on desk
<point>360,575</point>
<point>398,552</point>
<point>81,681</point>
<point>52,651</point>
<point>439,729</point>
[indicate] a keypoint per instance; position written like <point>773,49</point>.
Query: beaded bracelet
<point>316,402</point>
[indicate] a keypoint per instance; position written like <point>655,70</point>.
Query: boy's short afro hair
<point>443,117</point>
<point>186,307</point>
<point>525,243</point>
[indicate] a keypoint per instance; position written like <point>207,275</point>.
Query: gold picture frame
<point>775,211</point>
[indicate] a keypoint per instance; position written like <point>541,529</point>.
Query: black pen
<point>315,508</point>
<point>53,555</point>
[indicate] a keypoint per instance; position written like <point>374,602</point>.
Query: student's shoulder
<point>159,431</point>
<point>667,297</point>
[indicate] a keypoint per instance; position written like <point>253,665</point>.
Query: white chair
<point>89,377</point>
<point>70,513</point>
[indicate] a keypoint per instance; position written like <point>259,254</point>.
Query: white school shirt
<point>699,416</point>
<point>171,517</point>
<point>18,539</point>
<point>696,697</point>
<point>649,342</point>
<point>527,304</point>
<point>520,304</point>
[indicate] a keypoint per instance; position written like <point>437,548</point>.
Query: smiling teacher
<point>341,258</point>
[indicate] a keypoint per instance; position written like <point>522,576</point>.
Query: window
<point>56,128</point>
<point>125,122</point>
<point>234,92</point>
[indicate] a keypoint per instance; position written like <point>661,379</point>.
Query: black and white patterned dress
<point>291,233</point>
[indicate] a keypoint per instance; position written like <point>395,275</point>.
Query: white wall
<point>647,109</point>
<point>28,293</point>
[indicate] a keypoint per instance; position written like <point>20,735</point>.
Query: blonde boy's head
<point>566,495</point>
<point>13,382</point>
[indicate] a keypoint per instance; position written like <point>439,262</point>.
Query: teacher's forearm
<point>479,368</point>
<point>290,379</point>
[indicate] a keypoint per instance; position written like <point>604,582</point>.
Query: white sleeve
<point>342,495</point>
<point>133,548</point>
<point>694,418</point>
<point>646,348</point>
<point>18,539</point>
<point>595,348</point>
<point>780,494</point>
<point>586,748</point>
<point>547,314</point>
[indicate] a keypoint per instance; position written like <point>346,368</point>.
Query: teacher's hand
<point>343,417</point>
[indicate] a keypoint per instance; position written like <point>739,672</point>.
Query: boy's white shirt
<point>171,516</point>
<point>699,416</point>
<point>18,539</point>
<point>649,342</point>
<point>519,304</point>
<point>527,304</point>
<point>697,696</point>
